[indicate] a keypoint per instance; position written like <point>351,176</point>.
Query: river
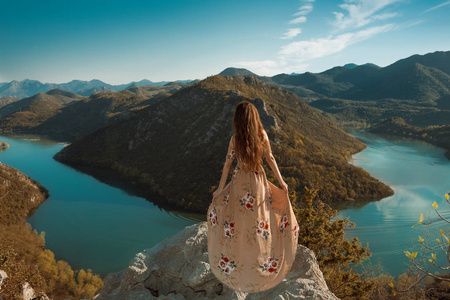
<point>93,225</point>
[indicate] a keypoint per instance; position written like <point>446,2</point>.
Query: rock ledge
<point>178,268</point>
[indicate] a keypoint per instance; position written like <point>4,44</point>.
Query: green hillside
<point>174,149</point>
<point>47,116</point>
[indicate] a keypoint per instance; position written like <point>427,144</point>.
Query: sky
<point>120,41</point>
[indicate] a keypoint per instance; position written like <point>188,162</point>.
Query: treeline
<point>22,250</point>
<point>436,135</point>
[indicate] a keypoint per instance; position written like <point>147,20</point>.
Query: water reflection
<point>419,174</point>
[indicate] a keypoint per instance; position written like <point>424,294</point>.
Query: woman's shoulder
<point>266,137</point>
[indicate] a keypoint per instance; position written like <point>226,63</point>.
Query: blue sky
<point>122,41</point>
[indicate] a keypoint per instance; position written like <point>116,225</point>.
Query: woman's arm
<point>273,164</point>
<point>226,168</point>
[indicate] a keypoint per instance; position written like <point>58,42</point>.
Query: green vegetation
<point>22,251</point>
<point>337,256</point>
<point>174,149</point>
<point>422,264</point>
<point>53,115</point>
<point>436,135</point>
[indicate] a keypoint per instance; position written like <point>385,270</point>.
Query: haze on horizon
<point>123,41</point>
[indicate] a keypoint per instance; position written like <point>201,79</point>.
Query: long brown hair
<point>248,135</point>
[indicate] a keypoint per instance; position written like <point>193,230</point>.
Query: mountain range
<point>416,88</point>
<point>66,116</point>
<point>27,87</point>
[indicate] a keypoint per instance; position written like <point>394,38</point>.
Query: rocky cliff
<point>178,268</point>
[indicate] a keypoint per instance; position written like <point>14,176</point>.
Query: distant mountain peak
<point>352,65</point>
<point>237,72</point>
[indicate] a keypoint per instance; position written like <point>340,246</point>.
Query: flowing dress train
<point>252,232</point>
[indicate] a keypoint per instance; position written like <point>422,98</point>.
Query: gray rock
<point>178,268</point>
<point>28,292</point>
<point>3,277</point>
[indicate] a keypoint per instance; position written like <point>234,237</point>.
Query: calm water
<point>419,174</point>
<point>88,223</point>
<point>93,225</point>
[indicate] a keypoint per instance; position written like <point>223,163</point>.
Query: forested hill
<point>176,147</point>
<point>53,115</point>
<point>436,135</point>
<point>416,89</point>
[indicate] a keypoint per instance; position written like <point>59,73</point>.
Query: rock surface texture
<point>178,268</point>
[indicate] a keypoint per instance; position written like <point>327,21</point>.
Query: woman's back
<point>252,230</point>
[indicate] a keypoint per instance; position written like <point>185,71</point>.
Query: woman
<point>252,230</point>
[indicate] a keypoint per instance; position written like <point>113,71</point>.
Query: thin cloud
<point>271,67</point>
<point>437,6</point>
<point>295,56</point>
<point>359,13</point>
<point>301,19</point>
<point>304,10</point>
<point>291,33</point>
<point>302,51</point>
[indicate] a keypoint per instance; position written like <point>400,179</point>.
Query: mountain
<point>7,100</point>
<point>56,96</point>
<point>25,114</point>
<point>99,89</point>
<point>24,88</point>
<point>27,88</point>
<point>352,65</point>
<point>174,149</point>
<point>236,72</point>
<point>416,89</point>
<point>69,122</point>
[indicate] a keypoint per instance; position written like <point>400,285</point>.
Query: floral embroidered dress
<point>252,232</point>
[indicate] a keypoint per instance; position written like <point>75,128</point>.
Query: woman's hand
<point>284,186</point>
<point>217,192</point>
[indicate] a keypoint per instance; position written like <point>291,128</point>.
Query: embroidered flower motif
<point>270,265</point>
<point>228,229</point>
<point>284,223</point>
<point>262,229</point>
<point>213,216</point>
<point>226,265</point>
<point>231,154</point>
<point>248,201</point>
<point>226,197</point>
<point>295,230</point>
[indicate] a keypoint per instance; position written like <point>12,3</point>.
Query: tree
<point>335,254</point>
<point>442,246</point>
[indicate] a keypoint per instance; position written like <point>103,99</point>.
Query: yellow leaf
<point>420,239</point>
<point>408,254</point>
<point>438,241</point>
<point>446,196</point>
<point>430,260</point>
<point>391,285</point>
<point>434,204</point>
<point>394,292</point>
<point>433,256</point>
<point>414,255</point>
<point>421,218</point>
<point>441,232</point>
